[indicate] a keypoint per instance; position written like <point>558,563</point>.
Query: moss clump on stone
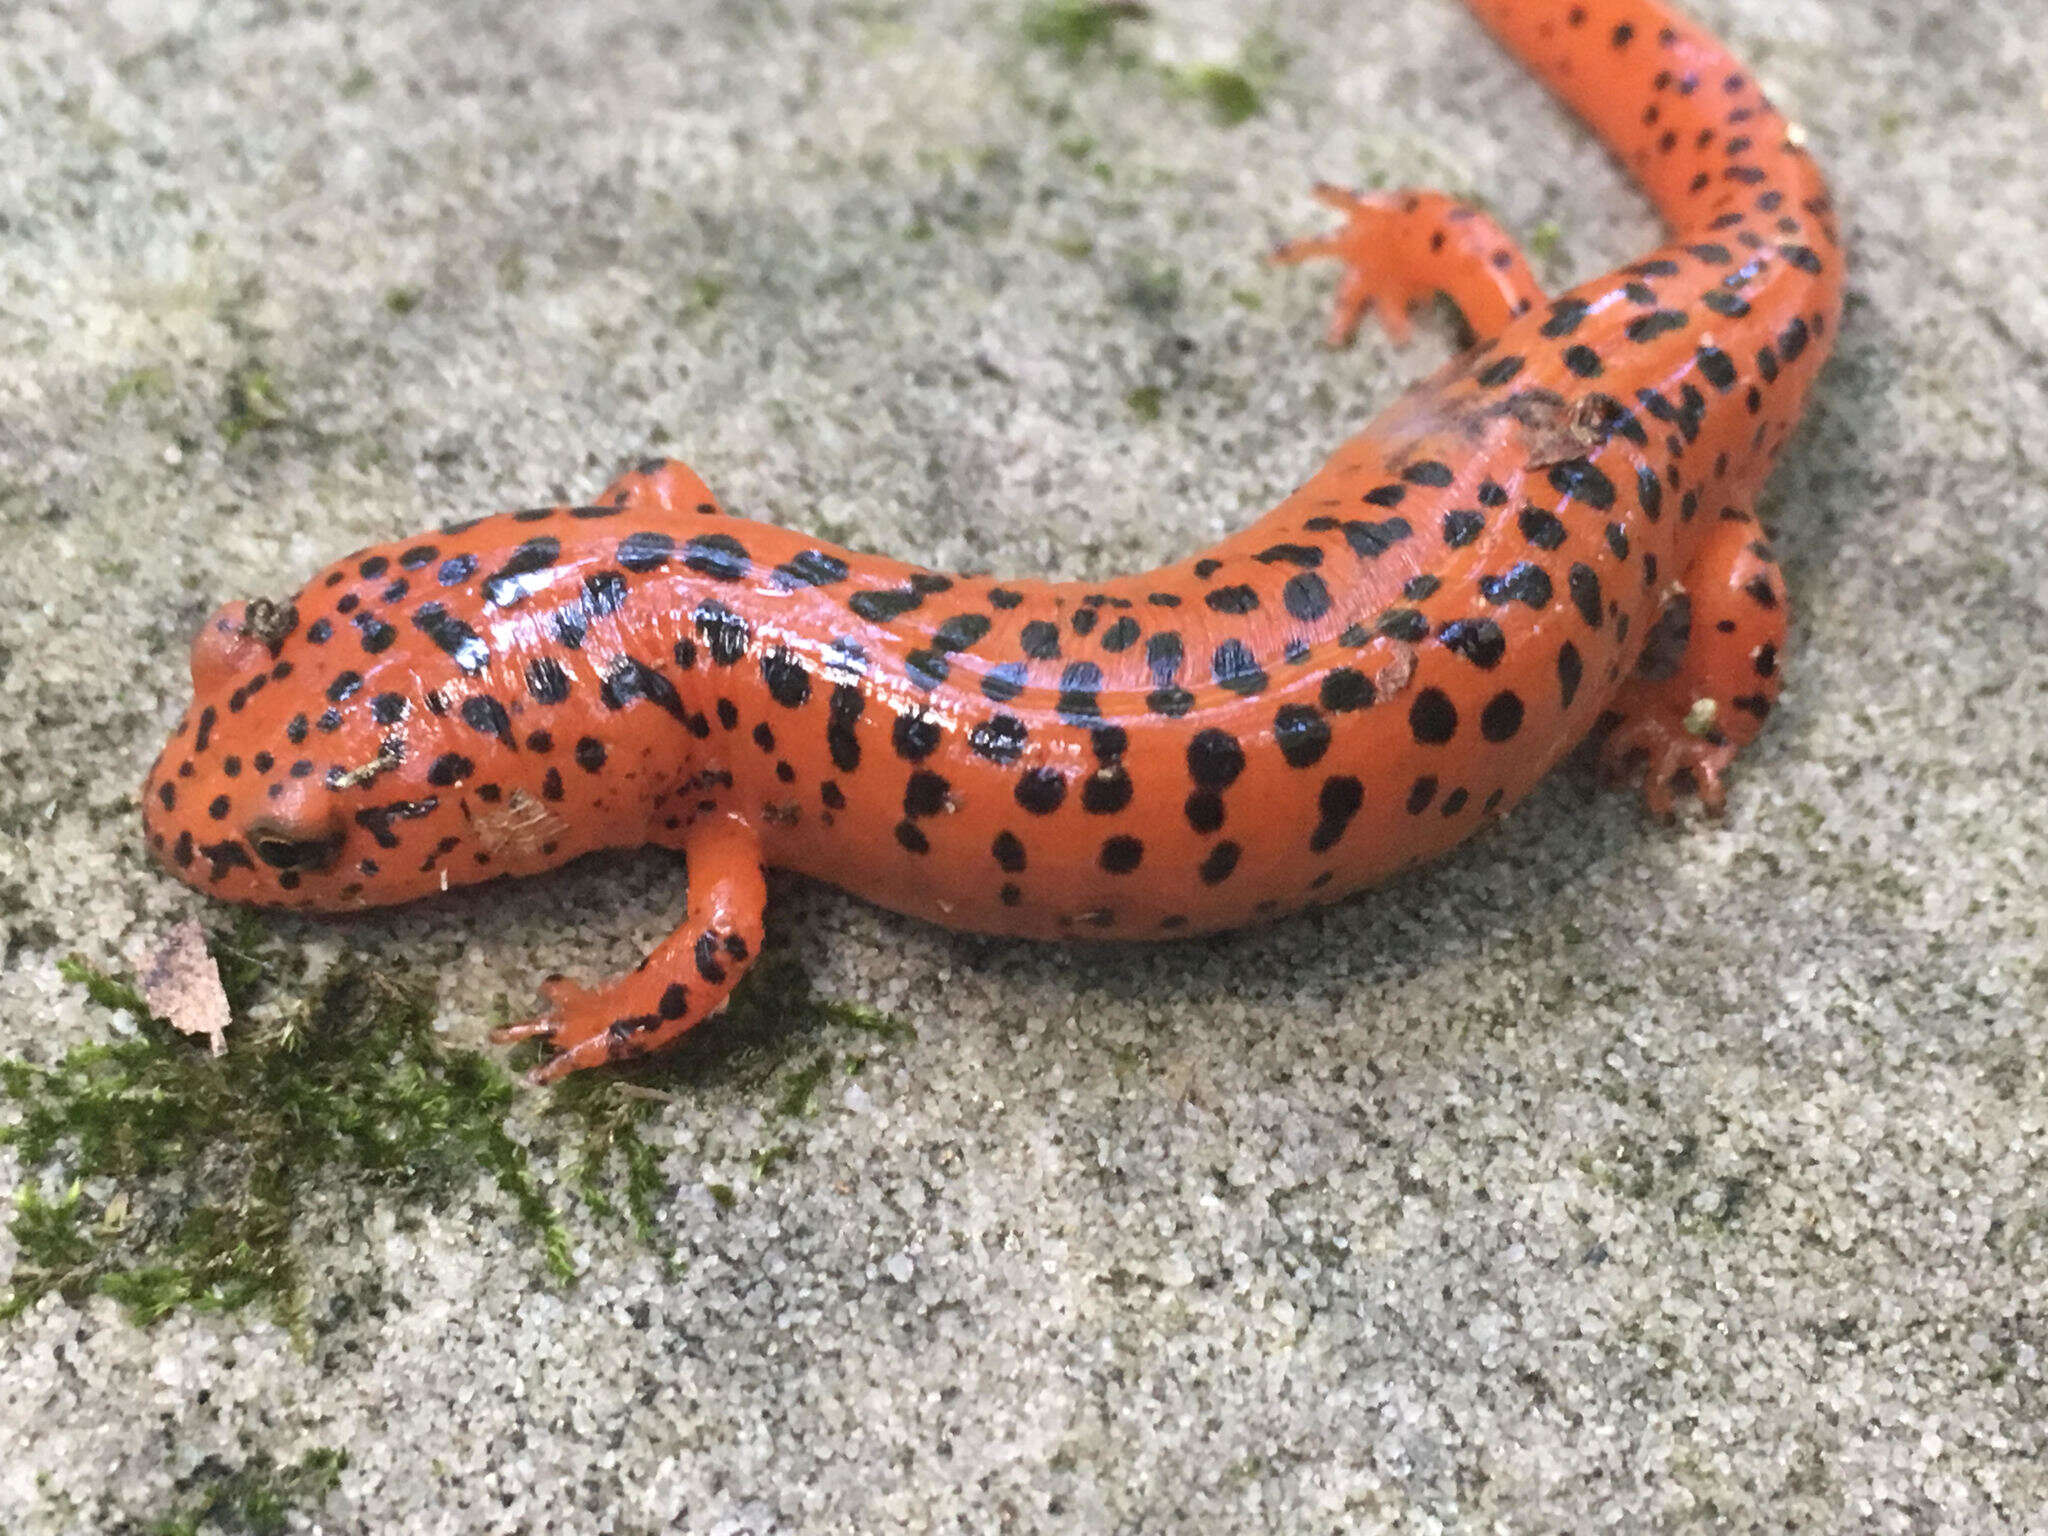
<point>1076,28</point>
<point>166,1177</point>
<point>257,1497</point>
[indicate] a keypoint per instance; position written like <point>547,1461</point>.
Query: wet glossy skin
<point>1551,531</point>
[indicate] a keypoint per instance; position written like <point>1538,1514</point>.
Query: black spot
<point>1306,597</point>
<point>1204,811</point>
<point>1234,667</point>
<point>1659,322</point>
<point>1428,472</point>
<point>1121,855</point>
<point>377,635</point>
<point>521,574</point>
<point>1371,540</point>
<point>627,680</point>
<point>1566,316</point>
<point>880,607</point>
<point>344,685</point>
<point>1000,738</point>
<point>1583,480</point>
<point>1433,717</point>
<point>1584,586</point>
<point>1215,759</point>
<point>1499,372</point>
<point>1082,620</point>
<point>1345,690</point>
<point>910,837</point>
<point>810,568</point>
<point>1583,361</point>
<point>419,555</point>
<point>455,570</point>
<point>646,551</point>
<point>1461,528</point>
<point>1041,791</point>
<point>724,632</point>
<point>1004,682</point>
<point>1570,672</point>
<point>915,737</point>
<point>1543,529</point>
<point>1008,850</point>
<point>788,683</point>
<point>1221,863</point>
<point>1718,367</point>
<point>675,1001</point>
<point>960,631</point>
<point>1403,624</point>
<point>1793,340</point>
<point>1121,635</point>
<point>848,704</point>
<point>1421,793</point>
<point>448,769</point>
<point>1004,599</point>
<point>453,636</point>
<point>1039,640</point>
<point>1338,803</point>
<point>1456,801</point>
<point>1502,716</point>
<point>590,754</point>
<point>1479,641</point>
<point>1078,684</point>
<point>717,555</point>
<point>1170,702</point>
<point>926,794</point>
<point>1524,582</point>
<point>1307,556</point>
<point>927,668</point>
<point>1106,791</point>
<point>1232,600</point>
<point>546,680</point>
<point>1303,735</point>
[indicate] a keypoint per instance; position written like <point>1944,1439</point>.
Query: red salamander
<point>1551,534</point>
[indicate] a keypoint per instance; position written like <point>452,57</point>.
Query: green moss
<point>1076,28</point>
<point>1147,401</point>
<point>359,81</point>
<point>701,295</point>
<point>183,1174</point>
<point>138,384</point>
<point>253,404</point>
<point>1232,99</point>
<point>257,1497</point>
<point>801,1084</point>
<point>402,301</point>
<point>165,1178</point>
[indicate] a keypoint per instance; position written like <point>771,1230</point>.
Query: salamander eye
<point>281,848</point>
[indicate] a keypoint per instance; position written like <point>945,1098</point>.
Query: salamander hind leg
<point>1401,249</point>
<point>1709,674</point>
<point>660,485</point>
<point>687,978</point>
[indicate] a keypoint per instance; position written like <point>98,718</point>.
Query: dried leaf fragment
<point>181,984</point>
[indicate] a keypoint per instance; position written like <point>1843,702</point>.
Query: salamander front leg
<point>1401,249</point>
<point>687,978</point>
<point>1709,673</point>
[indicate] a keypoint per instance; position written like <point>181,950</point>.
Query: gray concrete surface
<point>1601,1177</point>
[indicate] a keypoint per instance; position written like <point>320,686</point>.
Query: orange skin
<point>1551,532</point>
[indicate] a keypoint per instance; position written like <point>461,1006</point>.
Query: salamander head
<point>321,765</point>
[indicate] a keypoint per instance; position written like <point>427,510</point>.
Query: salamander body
<point>1550,534</point>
